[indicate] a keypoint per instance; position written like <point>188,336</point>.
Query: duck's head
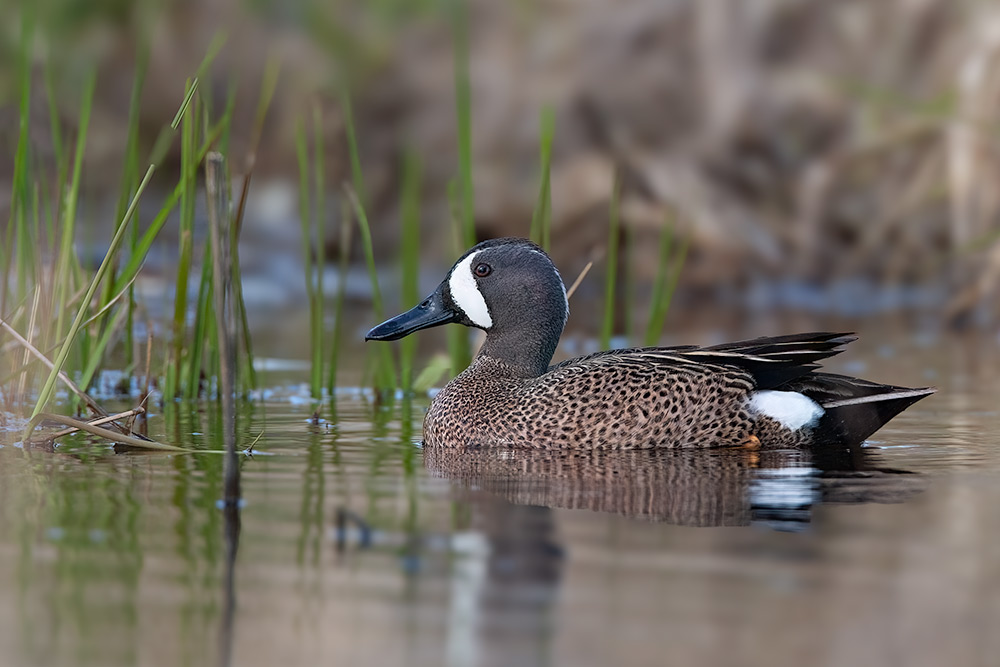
<point>507,287</point>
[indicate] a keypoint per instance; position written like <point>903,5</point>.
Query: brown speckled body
<point>626,400</point>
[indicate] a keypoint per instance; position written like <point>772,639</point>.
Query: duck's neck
<point>526,346</point>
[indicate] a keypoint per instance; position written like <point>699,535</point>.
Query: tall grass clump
<point>73,319</point>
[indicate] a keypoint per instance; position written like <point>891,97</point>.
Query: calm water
<point>357,547</point>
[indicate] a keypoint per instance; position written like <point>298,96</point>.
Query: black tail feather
<point>855,408</point>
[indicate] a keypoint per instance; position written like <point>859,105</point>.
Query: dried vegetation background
<point>793,140</point>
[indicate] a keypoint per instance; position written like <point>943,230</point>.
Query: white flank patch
<point>466,295</point>
<point>789,408</point>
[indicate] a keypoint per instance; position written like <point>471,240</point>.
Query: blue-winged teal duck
<point>763,392</point>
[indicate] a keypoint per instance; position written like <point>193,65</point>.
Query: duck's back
<point>616,401</point>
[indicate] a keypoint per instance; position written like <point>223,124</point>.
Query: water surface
<point>357,547</point>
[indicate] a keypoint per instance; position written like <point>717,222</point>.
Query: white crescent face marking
<point>466,295</point>
<point>789,408</point>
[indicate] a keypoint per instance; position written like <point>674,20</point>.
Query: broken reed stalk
<point>113,436</point>
<point>220,228</point>
<point>123,434</point>
<point>98,422</point>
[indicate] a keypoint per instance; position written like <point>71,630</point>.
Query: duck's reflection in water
<point>690,488</point>
<point>507,573</point>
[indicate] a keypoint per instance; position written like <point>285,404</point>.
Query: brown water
<point>354,548</point>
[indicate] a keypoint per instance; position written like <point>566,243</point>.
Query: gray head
<point>509,288</point>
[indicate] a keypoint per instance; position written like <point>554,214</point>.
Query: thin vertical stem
<point>611,264</point>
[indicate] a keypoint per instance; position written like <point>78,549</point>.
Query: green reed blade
<point>670,281</point>
<point>61,156</point>
<point>130,166</point>
<point>611,265</point>
<point>185,243</point>
<point>409,257</point>
<point>128,182</point>
<point>357,175</point>
<point>309,258</point>
<point>385,372</point>
<point>96,354</point>
<point>654,324</point>
<point>23,248</point>
<point>338,304</point>
<point>463,103</point>
<point>269,83</point>
<point>204,316</point>
<point>459,349</point>
<point>541,218</point>
<point>629,271</point>
<point>319,251</point>
<point>246,373</point>
<point>66,255</point>
<point>145,243</point>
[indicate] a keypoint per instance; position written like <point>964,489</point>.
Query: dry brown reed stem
<point>969,134</point>
<point>98,422</point>
<point>220,225</point>
<point>91,403</point>
<point>579,279</point>
<point>112,436</point>
<point>146,379</point>
<point>32,323</point>
<point>26,359</point>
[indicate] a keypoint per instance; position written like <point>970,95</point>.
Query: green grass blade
<point>185,243</point>
<point>458,337</point>
<point>409,257</point>
<point>541,218</point>
<point>319,252</point>
<point>96,354</point>
<point>463,103</point>
<point>66,255</point>
<point>338,304</point>
<point>142,247</point>
<point>203,325</point>
<point>23,246</point>
<point>357,175</point>
<point>309,260</point>
<point>654,325</point>
<point>611,265</point>
<point>385,373</point>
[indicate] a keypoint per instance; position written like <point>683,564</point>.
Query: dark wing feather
<point>772,361</point>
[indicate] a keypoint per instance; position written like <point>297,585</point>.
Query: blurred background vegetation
<point>822,155</point>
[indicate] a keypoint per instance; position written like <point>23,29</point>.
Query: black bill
<point>432,311</point>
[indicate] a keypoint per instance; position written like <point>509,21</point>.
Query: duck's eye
<point>483,270</point>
